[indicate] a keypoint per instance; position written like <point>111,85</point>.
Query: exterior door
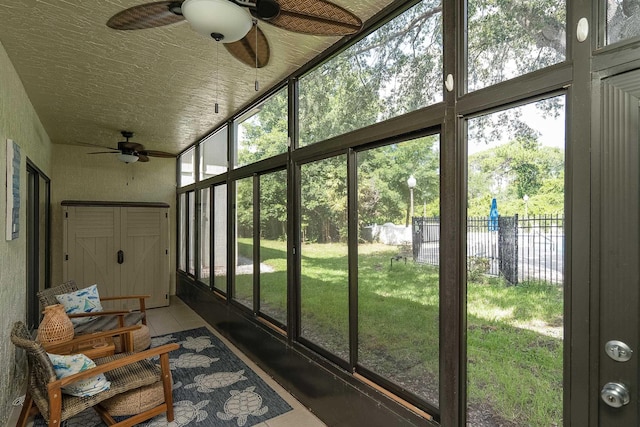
<point>615,254</point>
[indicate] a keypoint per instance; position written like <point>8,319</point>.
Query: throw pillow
<point>72,364</point>
<point>85,300</point>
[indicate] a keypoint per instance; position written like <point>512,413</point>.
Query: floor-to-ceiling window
<point>260,281</point>
<point>515,216</point>
<point>496,309</point>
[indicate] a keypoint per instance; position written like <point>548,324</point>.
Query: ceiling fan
<point>228,22</point>
<point>130,152</point>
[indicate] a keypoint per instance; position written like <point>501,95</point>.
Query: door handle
<point>615,394</point>
<point>120,257</point>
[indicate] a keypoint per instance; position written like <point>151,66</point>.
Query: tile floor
<point>179,317</point>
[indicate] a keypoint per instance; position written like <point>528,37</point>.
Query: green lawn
<point>513,334</point>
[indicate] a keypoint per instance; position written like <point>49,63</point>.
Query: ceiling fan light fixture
<point>127,158</point>
<point>220,17</point>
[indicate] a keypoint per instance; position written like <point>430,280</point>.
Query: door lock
<point>617,350</point>
<point>615,394</point>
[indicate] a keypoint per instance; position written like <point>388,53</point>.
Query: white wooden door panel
<point>90,248</point>
<point>145,270</point>
<point>95,234</point>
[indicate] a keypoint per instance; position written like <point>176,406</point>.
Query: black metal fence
<point>518,249</point>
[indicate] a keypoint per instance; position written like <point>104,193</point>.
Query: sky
<point>552,129</point>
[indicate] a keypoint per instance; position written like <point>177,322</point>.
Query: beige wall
<point>81,176</point>
<point>74,175</point>
<point>19,122</point>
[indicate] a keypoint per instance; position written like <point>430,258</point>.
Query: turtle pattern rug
<point>212,387</point>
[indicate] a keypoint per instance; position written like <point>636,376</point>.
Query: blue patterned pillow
<point>85,300</point>
<point>72,364</point>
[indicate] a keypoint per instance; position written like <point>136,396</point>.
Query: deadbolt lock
<point>615,394</point>
<point>618,351</point>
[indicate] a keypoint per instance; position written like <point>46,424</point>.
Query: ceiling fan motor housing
<point>267,9</point>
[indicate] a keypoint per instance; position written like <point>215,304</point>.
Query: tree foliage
<point>509,38</point>
<point>397,69</point>
<point>394,70</point>
<point>511,171</point>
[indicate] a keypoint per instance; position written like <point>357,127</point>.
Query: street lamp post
<point>411,182</point>
<point>526,205</point>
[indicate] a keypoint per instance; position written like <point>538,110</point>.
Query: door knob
<point>615,394</point>
<point>120,257</point>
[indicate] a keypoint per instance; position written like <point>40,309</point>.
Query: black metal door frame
<point>36,278</point>
<point>615,250</point>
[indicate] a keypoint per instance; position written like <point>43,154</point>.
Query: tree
<point>509,38</point>
<point>514,169</point>
<point>324,200</point>
<point>623,20</point>
<point>265,133</point>
<point>394,70</point>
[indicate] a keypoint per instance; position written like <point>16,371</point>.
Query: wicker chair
<point>127,372</point>
<point>105,320</point>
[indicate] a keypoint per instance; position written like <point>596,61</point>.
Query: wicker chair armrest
<point>119,297</point>
<point>109,366</point>
<point>100,313</point>
<point>140,298</point>
<point>52,348</point>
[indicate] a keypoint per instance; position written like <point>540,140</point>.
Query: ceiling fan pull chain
<point>217,68</point>
<point>257,85</point>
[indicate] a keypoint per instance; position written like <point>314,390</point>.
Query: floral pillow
<point>85,300</point>
<point>69,365</point>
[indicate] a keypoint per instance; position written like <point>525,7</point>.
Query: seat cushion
<point>135,401</point>
<point>108,322</point>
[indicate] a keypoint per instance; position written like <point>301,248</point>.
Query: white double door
<point>124,249</point>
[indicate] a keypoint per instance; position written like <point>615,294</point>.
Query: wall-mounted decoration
<point>13,189</point>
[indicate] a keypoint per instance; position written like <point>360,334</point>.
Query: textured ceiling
<point>87,82</point>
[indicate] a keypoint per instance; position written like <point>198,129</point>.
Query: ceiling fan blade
<point>148,15</point>
<point>88,144</point>
<point>317,17</point>
<point>104,152</point>
<point>244,50</point>
<point>154,153</point>
<point>142,158</point>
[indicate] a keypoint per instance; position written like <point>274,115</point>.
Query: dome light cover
<point>217,18</point>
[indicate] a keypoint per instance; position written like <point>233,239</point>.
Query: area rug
<point>212,387</point>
